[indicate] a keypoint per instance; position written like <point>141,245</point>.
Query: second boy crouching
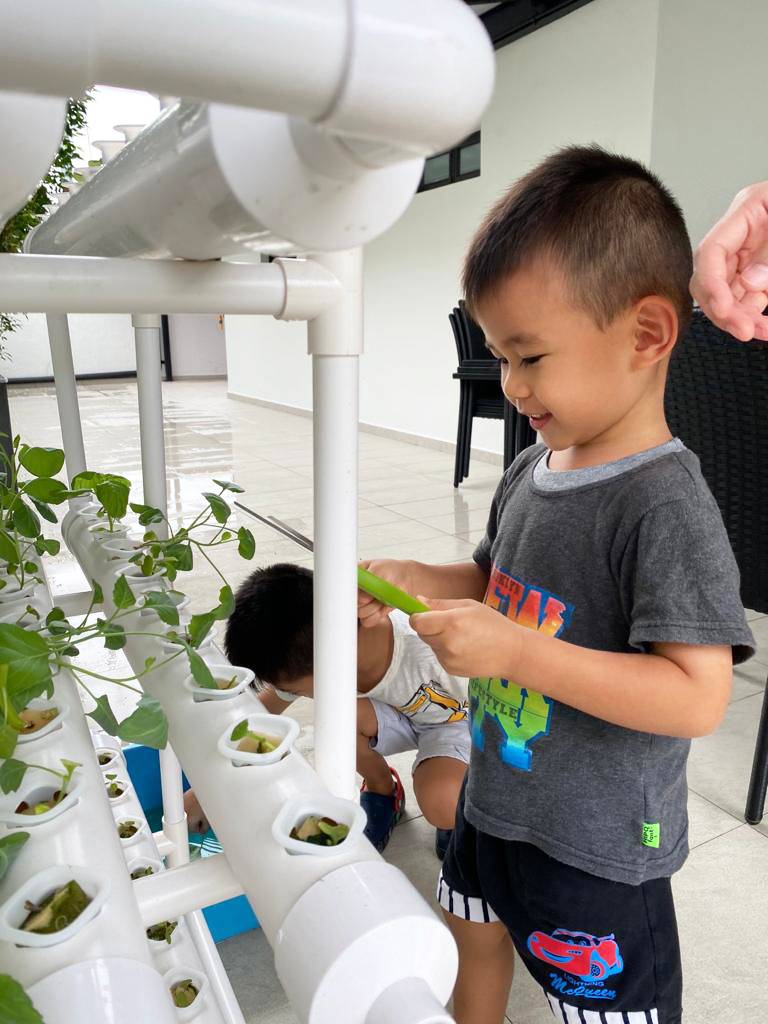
<point>407,701</point>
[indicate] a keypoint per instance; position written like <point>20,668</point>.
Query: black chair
<point>717,403</point>
<point>481,395</point>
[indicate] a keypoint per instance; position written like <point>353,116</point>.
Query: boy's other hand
<point>196,819</point>
<point>371,612</point>
<point>468,637</point>
<point>730,280</point>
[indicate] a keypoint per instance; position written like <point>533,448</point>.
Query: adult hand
<point>469,638</point>
<point>730,280</point>
<point>371,612</point>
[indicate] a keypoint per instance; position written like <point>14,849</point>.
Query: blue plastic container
<point>231,917</point>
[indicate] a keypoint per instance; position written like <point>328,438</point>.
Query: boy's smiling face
<point>586,390</point>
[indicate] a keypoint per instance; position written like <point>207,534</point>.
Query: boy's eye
<point>529,360</point>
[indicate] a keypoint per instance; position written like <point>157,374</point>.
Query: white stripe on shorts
<point>565,1013</point>
<point>471,908</point>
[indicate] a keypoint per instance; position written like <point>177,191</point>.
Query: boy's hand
<point>196,819</point>
<point>371,612</point>
<point>469,638</point>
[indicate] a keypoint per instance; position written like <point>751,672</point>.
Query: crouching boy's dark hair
<point>270,630</point>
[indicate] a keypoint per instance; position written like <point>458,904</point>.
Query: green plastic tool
<point>387,593</point>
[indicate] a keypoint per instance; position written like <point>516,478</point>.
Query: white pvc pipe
<point>87,284</point>
<point>31,129</point>
<point>147,329</point>
<point>214,969</point>
<point>335,339</point>
<point>170,894</point>
<point>414,75</point>
<point>66,393</point>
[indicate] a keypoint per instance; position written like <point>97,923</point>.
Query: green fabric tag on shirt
<point>651,834</point>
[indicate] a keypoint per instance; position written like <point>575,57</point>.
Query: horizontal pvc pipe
<point>87,284</point>
<point>415,74</point>
<point>177,891</point>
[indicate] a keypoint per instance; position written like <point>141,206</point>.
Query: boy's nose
<point>513,384</point>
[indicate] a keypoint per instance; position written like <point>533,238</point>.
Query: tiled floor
<point>408,508</point>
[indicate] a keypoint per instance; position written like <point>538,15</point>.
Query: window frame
<point>454,164</point>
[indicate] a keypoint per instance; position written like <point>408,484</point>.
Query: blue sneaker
<point>383,812</point>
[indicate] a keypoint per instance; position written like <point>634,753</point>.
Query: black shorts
<point>604,952</point>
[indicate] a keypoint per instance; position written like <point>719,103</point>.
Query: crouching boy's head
<point>270,630</point>
<point>579,280</point>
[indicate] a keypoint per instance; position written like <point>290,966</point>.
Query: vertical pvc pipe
<point>147,328</point>
<point>66,392</point>
<point>335,341</point>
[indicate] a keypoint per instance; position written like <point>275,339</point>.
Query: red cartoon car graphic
<point>586,956</point>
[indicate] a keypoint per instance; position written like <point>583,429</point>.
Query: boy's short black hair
<point>270,630</point>
<point>605,220</point>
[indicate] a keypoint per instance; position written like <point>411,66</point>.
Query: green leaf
<point>15,1005</point>
<point>45,510</point>
<point>25,521</point>
<point>200,671</point>
<point>182,556</point>
<point>113,495</point>
<point>147,724</point>
<point>103,715</point>
<point>122,595</point>
<point>10,848</point>
<point>55,615</point>
<point>147,565</point>
<point>47,545</point>
<point>228,486</point>
<point>246,544</point>
<point>42,461</point>
<point>98,593</point>
<point>12,773</point>
<point>219,507</point>
<point>114,636</point>
<point>44,489</point>
<point>240,730</point>
<point>70,651</point>
<point>226,604</point>
<point>8,739</point>
<point>26,655</point>
<point>147,513</point>
<point>199,627</point>
<point>31,567</point>
<point>9,551</point>
<point>163,604</point>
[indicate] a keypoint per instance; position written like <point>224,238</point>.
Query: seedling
<point>105,758</point>
<point>320,831</point>
<point>35,719</point>
<point>127,829</point>
<point>162,932</point>
<point>114,789</point>
<point>12,773</point>
<point>184,993</point>
<point>58,910</point>
<point>141,872</point>
<point>253,742</point>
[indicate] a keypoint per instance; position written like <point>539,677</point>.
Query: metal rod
<point>66,393</point>
<point>278,526</point>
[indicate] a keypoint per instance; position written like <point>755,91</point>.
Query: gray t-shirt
<point>614,558</point>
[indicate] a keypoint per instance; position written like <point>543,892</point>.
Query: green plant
<point>320,831</point>
<point>253,742</point>
<point>10,848</point>
<point>61,172</point>
<point>58,910</point>
<point>184,993</point>
<point>162,932</point>
<point>15,1005</point>
<point>12,772</point>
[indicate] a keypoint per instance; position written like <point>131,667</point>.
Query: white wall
<point>100,344</point>
<point>587,77</point>
<point>197,345</point>
<point>709,137</point>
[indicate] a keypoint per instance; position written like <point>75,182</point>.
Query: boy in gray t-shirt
<point>620,620</point>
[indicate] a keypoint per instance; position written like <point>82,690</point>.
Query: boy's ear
<point>655,329</point>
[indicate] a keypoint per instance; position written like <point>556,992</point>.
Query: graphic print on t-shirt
<point>522,715</point>
<point>431,699</point>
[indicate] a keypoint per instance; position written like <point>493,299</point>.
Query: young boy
<point>409,701</point>
<point>619,597</point>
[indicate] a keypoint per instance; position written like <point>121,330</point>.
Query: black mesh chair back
<point>717,403</point>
